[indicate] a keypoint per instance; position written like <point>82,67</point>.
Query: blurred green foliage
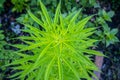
<point>5,53</point>
<point>106,35</point>
<point>115,4</point>
<point>19,5</point>
<point>1,5</point>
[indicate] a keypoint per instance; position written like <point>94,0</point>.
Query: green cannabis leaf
<point>61,50</point>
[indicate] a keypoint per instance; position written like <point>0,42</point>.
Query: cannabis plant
<point>61,50</point>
